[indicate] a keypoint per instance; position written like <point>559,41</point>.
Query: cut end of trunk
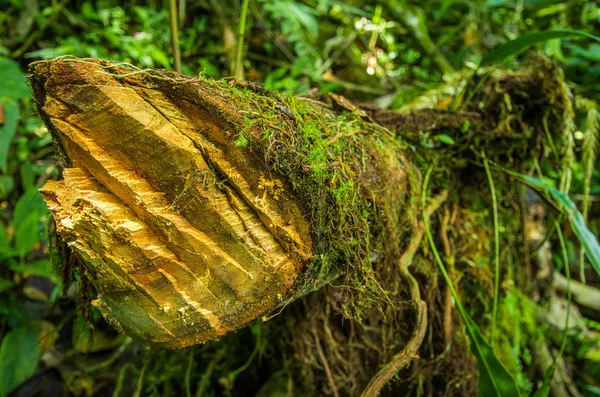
<point>185,235</point>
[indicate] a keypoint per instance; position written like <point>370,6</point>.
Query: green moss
<point>341,166</point>
<point>241,141</point>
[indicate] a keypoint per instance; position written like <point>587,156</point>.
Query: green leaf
<point>305,15</point>
<point>587,239</point>
<point>19,357</point>
<point>27,235</point>
<point>27,176</point>
<point>14,85</point>
<point>494,378</point>
<point>160,57</point>
<point>6,186</point>
<point>445,138</point>
<point>8,129</point>
<point>41,268</point>
<point>521,43</point>
<point>30,202</point>
<point>592,389</point>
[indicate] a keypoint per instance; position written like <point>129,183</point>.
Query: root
<point>325,363</point>
<point>450,260</point>
<point>402,359</point>
<point>410,351</point>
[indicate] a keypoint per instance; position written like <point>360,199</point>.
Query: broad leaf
<point>27,235</point>
<point>494,378</point>
<point>14,85</point>
<point>521,43</point>
<point>42,268</point>
<point>19,357</point>
<point>30,202</point>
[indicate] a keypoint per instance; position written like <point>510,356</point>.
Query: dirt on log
<point>198,206</point>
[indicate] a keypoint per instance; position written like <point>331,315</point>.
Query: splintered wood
<point>184,235</point>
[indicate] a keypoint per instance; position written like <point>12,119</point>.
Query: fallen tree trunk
<point>198,206</point>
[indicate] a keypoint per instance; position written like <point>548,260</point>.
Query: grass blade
<point>521,43</point>
<point>494,378</point>
<point>496,249</point>
<point>587,239</point>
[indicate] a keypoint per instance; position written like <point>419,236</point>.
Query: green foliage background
<point>387,52</point>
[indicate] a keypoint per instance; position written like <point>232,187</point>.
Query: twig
<point>113,358</point>
<point>551,371</point>
<point>582,294</point>
<point>356,87</point>
<point>543,359</point>
<point>525,281</point>
<point>344,135</point>
<point>268,60</point>
<point>181,14</point>
<point>121,379</point>
<point>549,138</point>
<point>589,148</point>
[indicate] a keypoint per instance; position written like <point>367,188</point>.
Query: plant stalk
<point>238,71</point>
<point>175,35</point>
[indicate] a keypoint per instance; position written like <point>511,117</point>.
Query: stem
<point>175,35</point>
<point>188,373</point>
<point>496,248</point>
<point>181,14</point>
<point>238,71</point>
<point>140,381</point>
<point>375,33</point>
<point>549,138</point>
